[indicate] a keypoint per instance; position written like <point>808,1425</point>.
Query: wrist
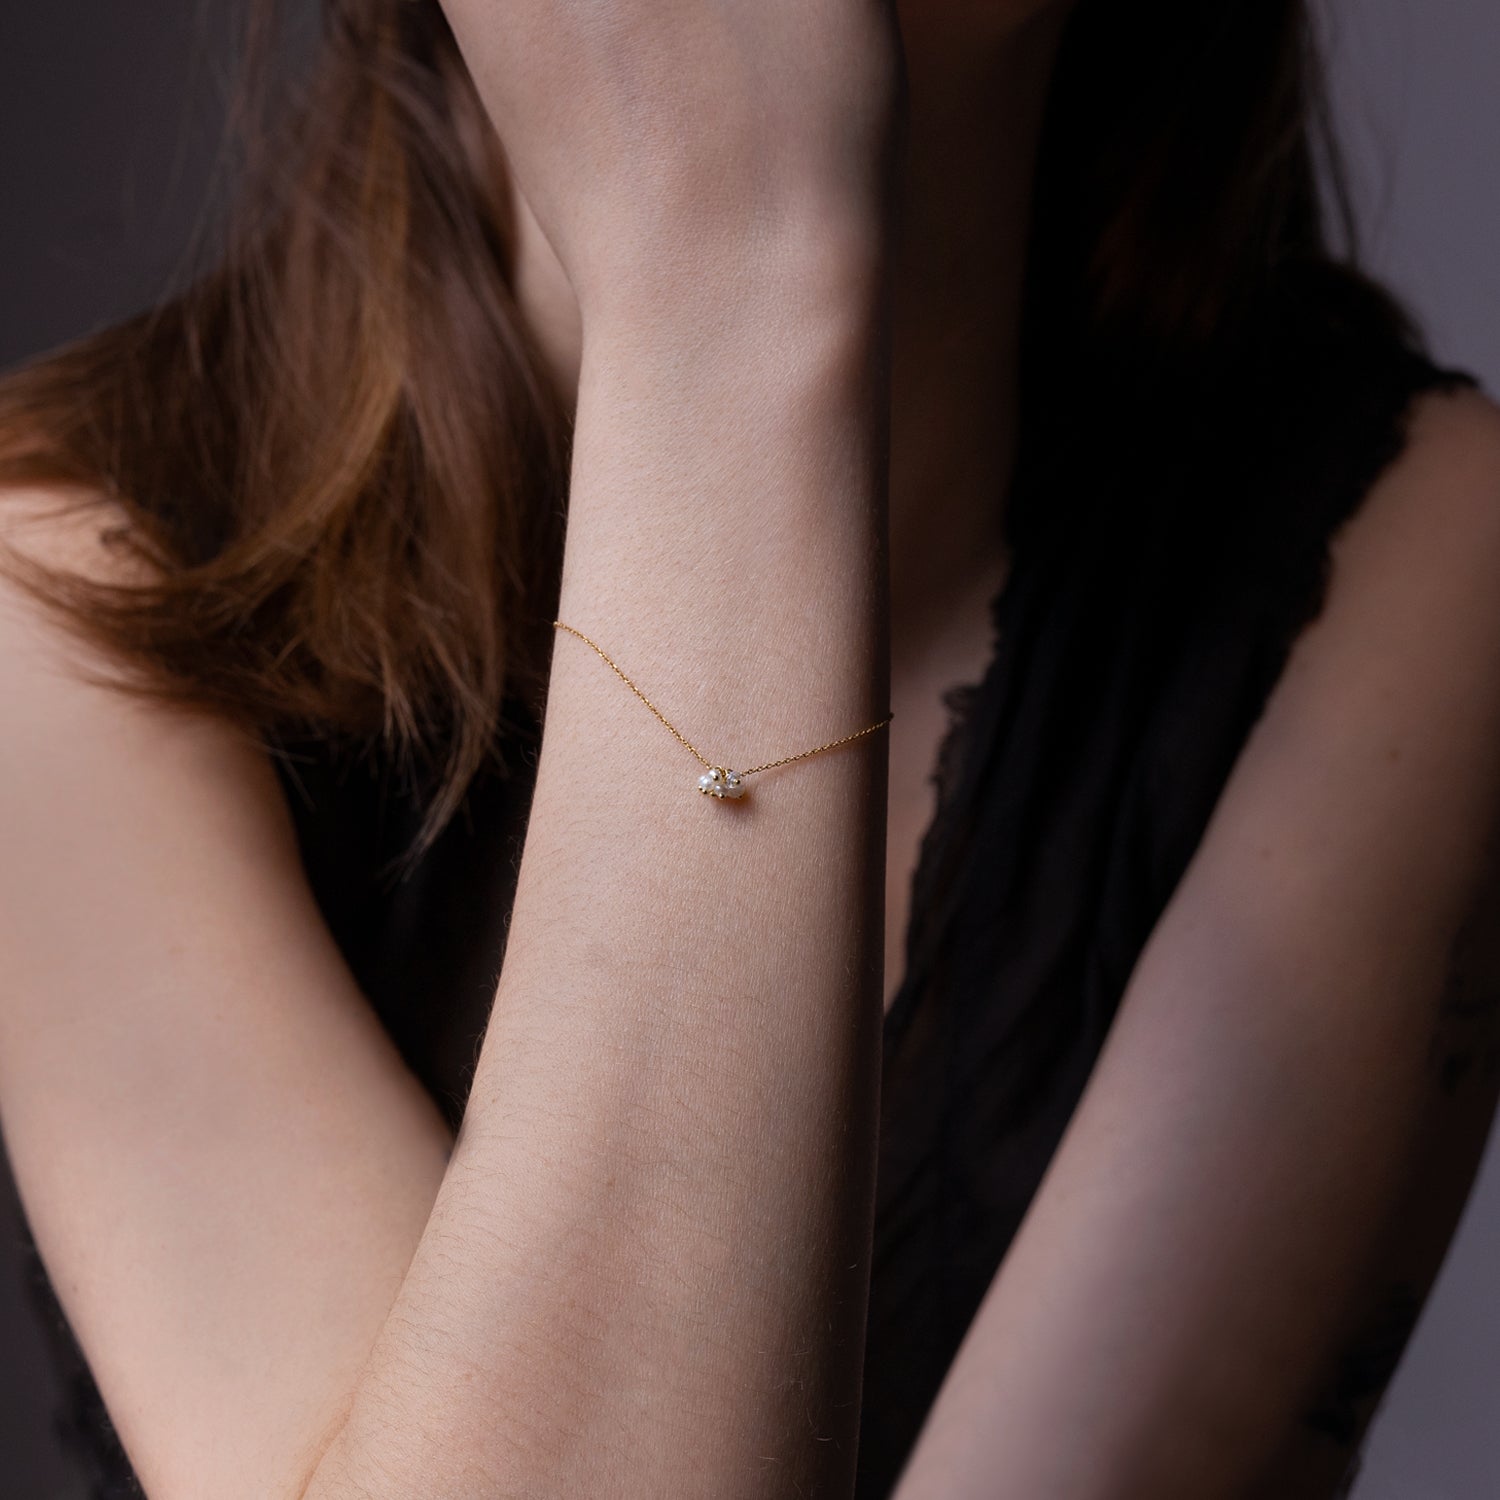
<point>781,416</point>
<point>822,281</point>
<point>800,352</point>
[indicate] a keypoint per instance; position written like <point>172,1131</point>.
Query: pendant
<point>721,783</point>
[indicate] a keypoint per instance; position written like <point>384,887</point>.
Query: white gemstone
<point>721,783</point>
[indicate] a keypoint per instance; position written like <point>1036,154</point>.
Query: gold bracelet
<point>718,781</point>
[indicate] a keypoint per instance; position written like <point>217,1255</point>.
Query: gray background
<point>104,155</point>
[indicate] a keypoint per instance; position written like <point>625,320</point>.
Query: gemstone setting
<point>719,781</point>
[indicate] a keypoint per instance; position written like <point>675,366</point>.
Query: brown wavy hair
<point>337,448</point>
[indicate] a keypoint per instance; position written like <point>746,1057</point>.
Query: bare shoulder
<point>1450,464</point>
<point>89,774</point>
<point>60,680</point>
<point>67,527</point>
<point>93,778</point>
<point>1458,425</point>
<point>74,533</point>
<point>1412,604</point>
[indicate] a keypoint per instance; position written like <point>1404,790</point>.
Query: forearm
<point>646,1271</point>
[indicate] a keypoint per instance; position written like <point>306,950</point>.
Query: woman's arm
<point>224,1160</point>
<point>1266,1114</point>
<point>646,1271</point>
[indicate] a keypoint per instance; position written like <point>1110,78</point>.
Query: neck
<point>963,213</point>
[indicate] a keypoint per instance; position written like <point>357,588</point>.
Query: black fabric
<point>1135,646</point>
<point>1140,630</point>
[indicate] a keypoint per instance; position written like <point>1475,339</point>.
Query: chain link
<point>785,760</point>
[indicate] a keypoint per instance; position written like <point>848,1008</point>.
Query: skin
<point>1228,1216</point>
<point>961,226</point>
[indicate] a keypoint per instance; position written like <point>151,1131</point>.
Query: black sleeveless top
<point>1136,640</point>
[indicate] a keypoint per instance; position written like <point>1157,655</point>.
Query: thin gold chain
<point>698,754</point>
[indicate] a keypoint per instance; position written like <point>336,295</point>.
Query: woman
<point>1220,782</point>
